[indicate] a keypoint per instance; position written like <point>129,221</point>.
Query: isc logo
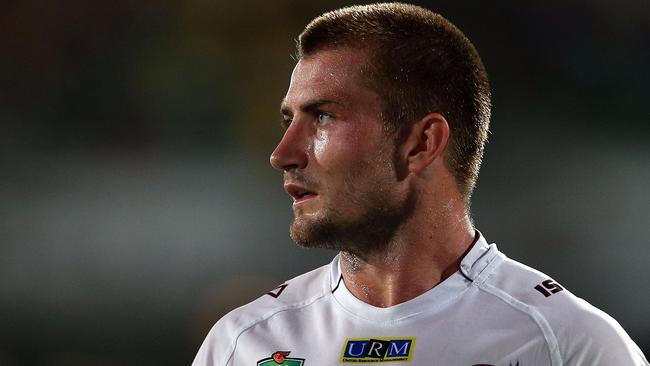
<point>377,350</point>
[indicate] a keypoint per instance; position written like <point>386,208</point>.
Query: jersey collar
<point>473,268</point>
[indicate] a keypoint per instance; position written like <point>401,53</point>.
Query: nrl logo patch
<point>280,358</point>
<point>363,350</point>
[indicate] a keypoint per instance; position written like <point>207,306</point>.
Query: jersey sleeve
<point>593,338</point>
<point>222,345</point>
<point>576,332</point>
<point>218,346</point>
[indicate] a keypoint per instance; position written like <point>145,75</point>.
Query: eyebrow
<point>308,107</point>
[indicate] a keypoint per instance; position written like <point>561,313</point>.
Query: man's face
<point>338,160</point>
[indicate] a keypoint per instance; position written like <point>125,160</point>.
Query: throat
<point>404,272</point>
<point>387,284</point>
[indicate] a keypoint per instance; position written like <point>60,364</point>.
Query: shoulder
<point>298,292</point>
<point>577,333</point>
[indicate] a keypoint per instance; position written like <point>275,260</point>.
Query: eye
<point>285,122</point>
<point>324,117</point>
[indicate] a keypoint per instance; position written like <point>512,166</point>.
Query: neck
<point>423,253</point>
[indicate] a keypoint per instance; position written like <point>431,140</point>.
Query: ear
<point>426,141</point>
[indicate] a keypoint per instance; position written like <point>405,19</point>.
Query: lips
<point>299,193</point>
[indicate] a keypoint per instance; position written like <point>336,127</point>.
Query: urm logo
<point>377,350</point>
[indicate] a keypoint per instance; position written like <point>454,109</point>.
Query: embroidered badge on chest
<point>280,358</point>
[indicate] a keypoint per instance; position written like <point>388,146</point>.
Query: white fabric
<point>488,313</point>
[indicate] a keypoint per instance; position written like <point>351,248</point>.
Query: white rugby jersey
<point>493,311</point>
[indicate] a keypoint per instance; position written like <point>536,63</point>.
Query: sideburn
<point>401,166</point>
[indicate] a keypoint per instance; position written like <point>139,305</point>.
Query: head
<point>367,77</point>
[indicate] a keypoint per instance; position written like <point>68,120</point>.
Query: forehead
<point>329,74</point>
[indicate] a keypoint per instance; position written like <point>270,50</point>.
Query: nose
<point>291,151</point>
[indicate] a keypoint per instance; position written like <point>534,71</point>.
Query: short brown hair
<point>418,63</point>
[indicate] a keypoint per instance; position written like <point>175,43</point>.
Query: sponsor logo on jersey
<point>280,358</point>
<point>377,350</point>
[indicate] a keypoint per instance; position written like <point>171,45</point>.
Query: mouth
<point>298,193</point>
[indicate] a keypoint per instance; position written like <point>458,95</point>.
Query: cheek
<point>321,145</point>
<point>333,150</point>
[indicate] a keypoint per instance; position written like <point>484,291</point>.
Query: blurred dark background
<point>138,206</point>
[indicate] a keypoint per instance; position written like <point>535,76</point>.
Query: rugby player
<point>386,118</point>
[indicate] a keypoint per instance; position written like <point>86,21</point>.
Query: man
<point>386,117</point>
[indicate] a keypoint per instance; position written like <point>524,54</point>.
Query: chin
<point>313,233</point>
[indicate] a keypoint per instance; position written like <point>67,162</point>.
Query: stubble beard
<point>380,216</point>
